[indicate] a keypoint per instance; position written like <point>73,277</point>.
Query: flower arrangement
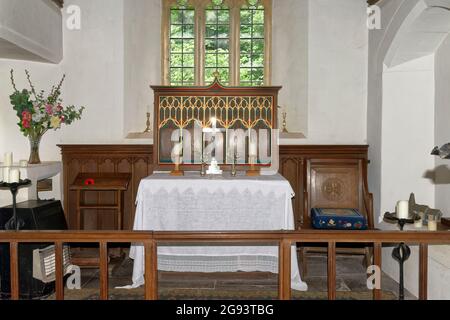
<point>39,113</point>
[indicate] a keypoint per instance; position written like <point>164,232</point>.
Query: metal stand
<point>402,252</point>
<point>14,223</point>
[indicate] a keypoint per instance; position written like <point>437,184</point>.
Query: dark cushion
<point>338,219</point>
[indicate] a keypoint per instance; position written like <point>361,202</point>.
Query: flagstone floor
<point>350,277</point>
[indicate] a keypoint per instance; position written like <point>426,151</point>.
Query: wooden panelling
<point>138,160</point>
<point>134,159</point>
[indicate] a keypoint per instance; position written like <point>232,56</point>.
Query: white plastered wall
<point>406,103</point>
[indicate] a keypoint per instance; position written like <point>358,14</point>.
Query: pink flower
<point>49,109</point>
<point>63,119</point>
<point>26,115</point>
<point>59,108</point>
<point>25,123</point>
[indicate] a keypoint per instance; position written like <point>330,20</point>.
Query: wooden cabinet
<point>329,175</point>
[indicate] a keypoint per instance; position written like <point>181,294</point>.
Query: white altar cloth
<point>214,203</point>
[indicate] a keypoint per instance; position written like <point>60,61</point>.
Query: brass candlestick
<point>176,171</point>
<point>148,129</point>
<point>179,157</point>
<point>203,169</point>
<point>253,172</point>
<point>284,130</point>
<point>233,166</point>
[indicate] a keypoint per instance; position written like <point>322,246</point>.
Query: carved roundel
<point>333,189</point>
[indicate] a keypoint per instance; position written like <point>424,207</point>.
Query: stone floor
<point>350,271</point>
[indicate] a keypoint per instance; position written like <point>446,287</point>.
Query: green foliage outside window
<point>217,36</point>
<point>217,42</point>
<point>252,45</point>
<point>182,46</point>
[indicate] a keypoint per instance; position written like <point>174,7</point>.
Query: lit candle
<point>214,136</point>
<point>14,176</point>
<point>203,145</point>
<point>8,162</point>
<point>6,174</point>
<point>253,150</point>
<point>177,150</point>
<point>403,209</point>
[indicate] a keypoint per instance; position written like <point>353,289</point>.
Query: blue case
<point>338,219</point>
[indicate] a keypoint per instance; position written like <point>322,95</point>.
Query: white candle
<point>403,209</point>
<point>253,151</point>
<point>432,225</point>
<point>177,150</point>
<point>8,162</point>
<point>418,224</point>
<point>6,174</point>
<point>23,163</point>
<point>14,176</point>
<point>203,145</point>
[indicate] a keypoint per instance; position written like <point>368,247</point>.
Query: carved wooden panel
<point>187,111</point>
<point>336,183</point>
<point>339,172</point>
<point>291,167</point>
<point>333,186</point>
<point>134,159</point>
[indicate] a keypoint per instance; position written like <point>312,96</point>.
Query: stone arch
<point>412,29</point>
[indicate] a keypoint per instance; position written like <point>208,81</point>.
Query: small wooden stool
<point>117,182</point>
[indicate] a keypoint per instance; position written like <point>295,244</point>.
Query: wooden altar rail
<point>151,240</point>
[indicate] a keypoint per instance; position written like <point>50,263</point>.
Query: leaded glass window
<point>230,38</point>
<point>217,42</point>
<point>182,44</point>
<point>252,42</point>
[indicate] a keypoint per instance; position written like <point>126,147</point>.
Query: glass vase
<point>34,149</point>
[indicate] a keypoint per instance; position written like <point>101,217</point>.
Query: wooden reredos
<point>188,111</point>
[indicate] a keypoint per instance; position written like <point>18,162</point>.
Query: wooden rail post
<point>59,272</point>
<point>377,261</point>
<point>331,270</point>
<point>103,270</point>
<point>284,265</point>
<point>423,271</point>
<point>151,270</point>
<point>14,270</point>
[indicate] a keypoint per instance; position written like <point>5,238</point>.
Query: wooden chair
<point>336,183</point>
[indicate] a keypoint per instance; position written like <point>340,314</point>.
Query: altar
<point>214,203</point>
